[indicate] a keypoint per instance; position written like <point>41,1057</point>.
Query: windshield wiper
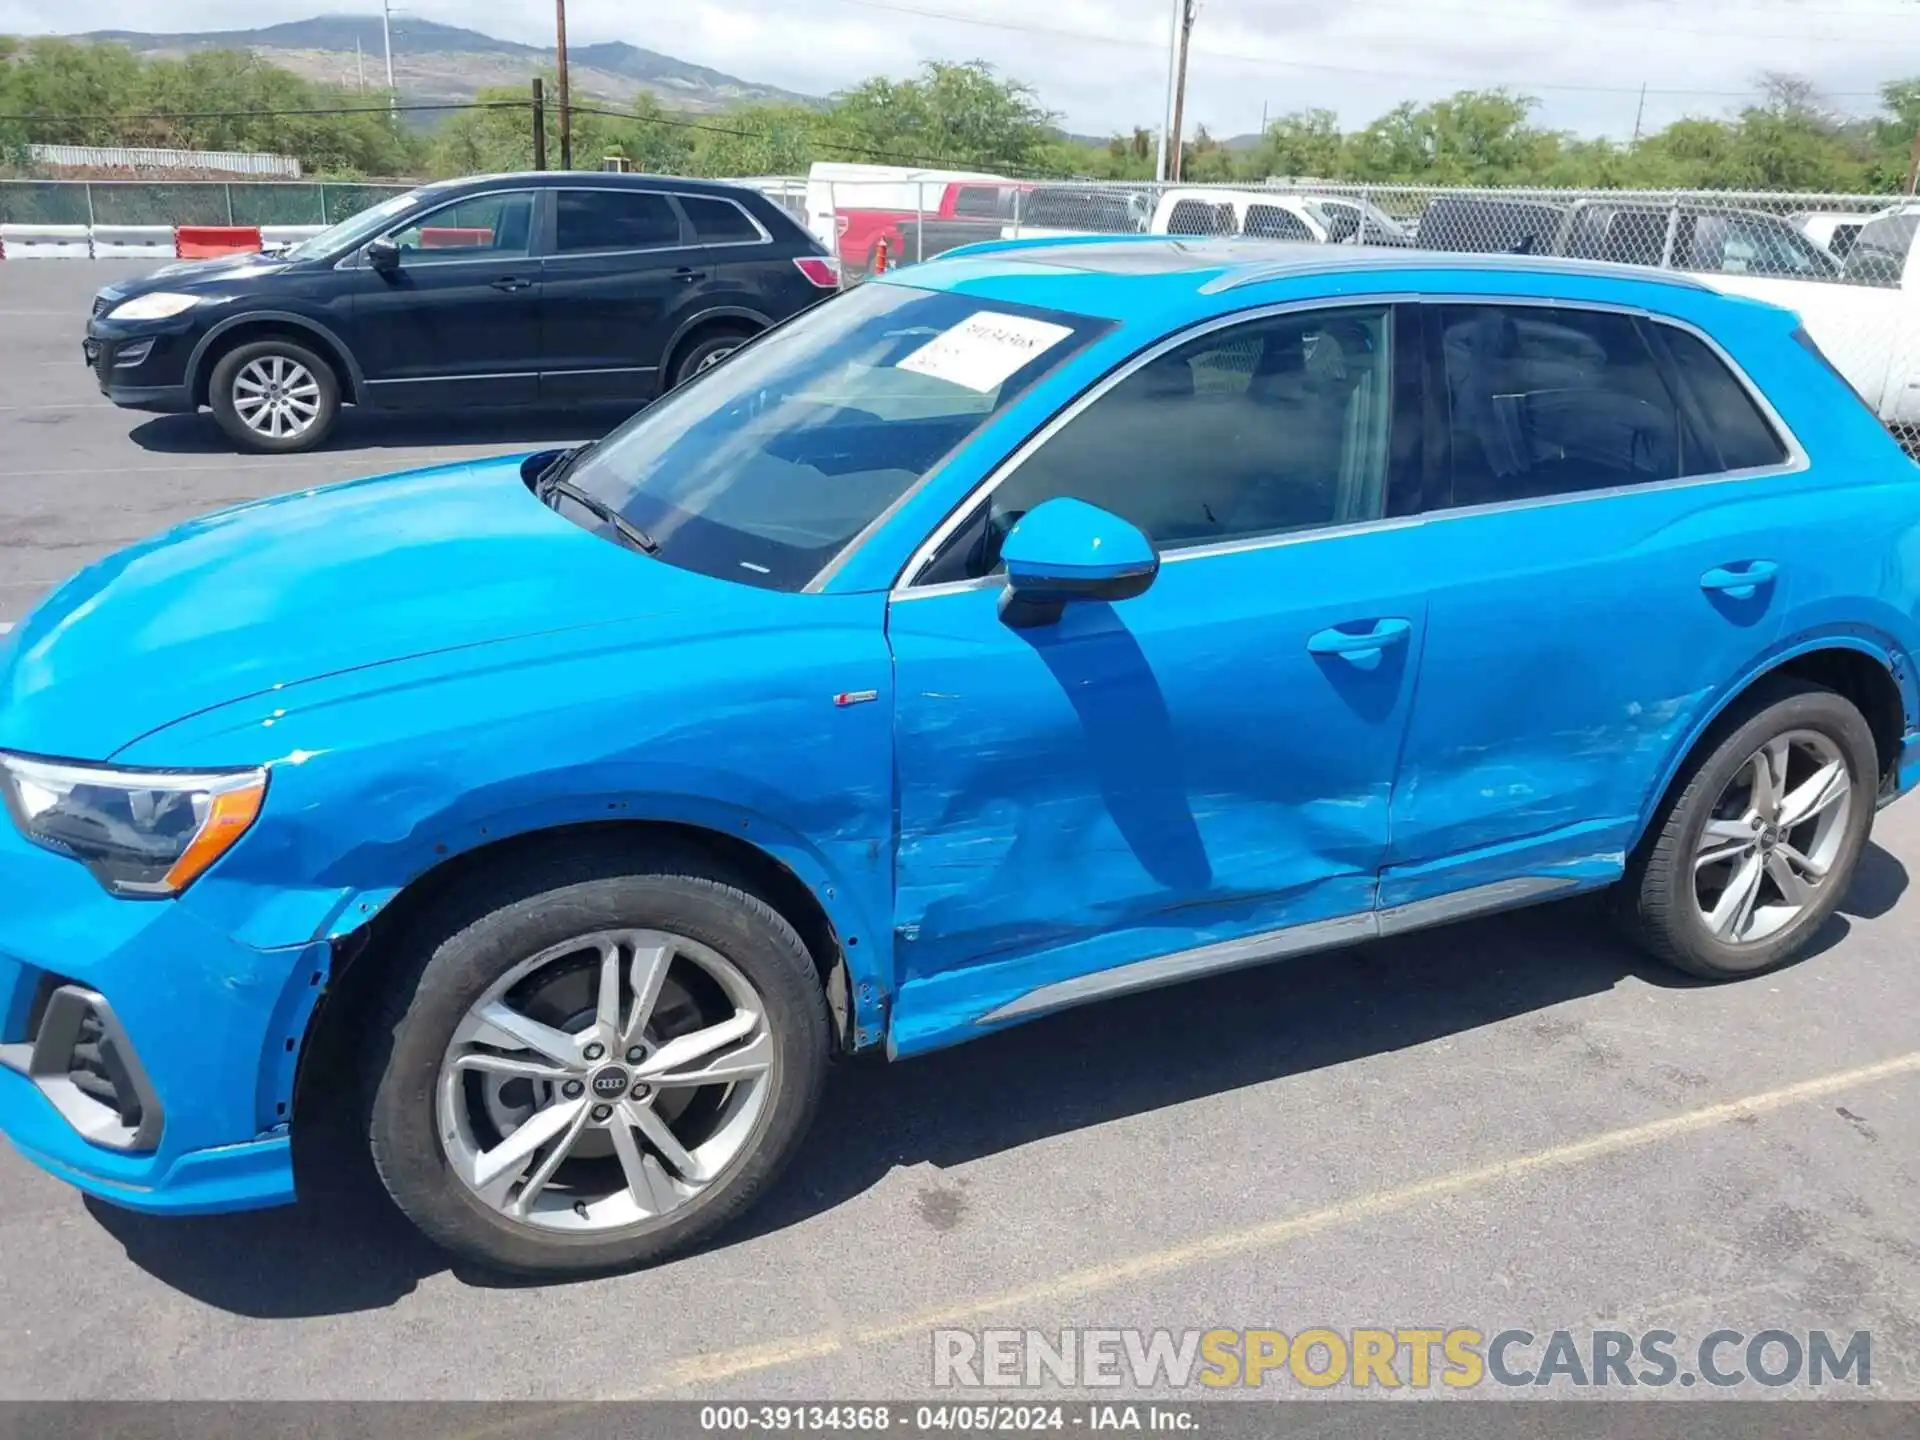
<point>632,534</point>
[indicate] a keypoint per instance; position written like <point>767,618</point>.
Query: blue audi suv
<point>1049,621</point>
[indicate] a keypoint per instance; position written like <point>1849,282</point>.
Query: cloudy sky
<point>1102,63</point>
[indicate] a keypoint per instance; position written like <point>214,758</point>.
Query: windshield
<point>355,228</point>
<point>763,468</point>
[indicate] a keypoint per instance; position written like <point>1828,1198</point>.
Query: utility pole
<point>1166,109</point>
<point>1639,111</point>
<point>560,55</point>
<point>539,124</point>
<point>1189,12</point>
<point>386,36</point>
<point>359,66</point>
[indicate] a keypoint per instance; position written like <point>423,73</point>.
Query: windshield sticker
<point>984,349</point>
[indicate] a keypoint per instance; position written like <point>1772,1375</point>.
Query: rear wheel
<point>707,351</point>
<point>598,1072</point>
<point>1759,843</point>
<point>274,396</point>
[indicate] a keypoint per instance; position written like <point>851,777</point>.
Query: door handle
<point>1360,645</point>
<point>511,282</point>
<point>1741,583</point>
<point>688,274</point>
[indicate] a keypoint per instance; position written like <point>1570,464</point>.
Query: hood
<point>316,583</point>
<point>186,274</point>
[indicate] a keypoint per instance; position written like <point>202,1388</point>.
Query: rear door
<point>1605,559</point>
<point>458,322</point>
<point>620,266</point>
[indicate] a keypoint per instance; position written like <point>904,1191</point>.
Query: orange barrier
<point>198,242</point>
<point>453,237</point>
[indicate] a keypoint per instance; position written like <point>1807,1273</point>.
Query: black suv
<point>497,291</point>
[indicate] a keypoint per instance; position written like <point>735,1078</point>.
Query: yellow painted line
<point>699,1370</point>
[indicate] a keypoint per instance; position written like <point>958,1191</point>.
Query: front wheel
<point>597,1073</point>
<point>1759,840</point>
<point>274,396</point>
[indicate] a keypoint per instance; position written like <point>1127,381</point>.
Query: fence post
<point>539,124</point>
<point>229,189</point>
<point>1016,211</point>
<point>87,187</point>
<point>919,220</point>
<point>323,203</point>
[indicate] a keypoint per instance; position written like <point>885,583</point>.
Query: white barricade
<point>132,242</point>
<point>271,235</point>
<point>52,242</point>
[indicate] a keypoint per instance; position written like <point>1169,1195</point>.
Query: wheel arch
<point>719,317</point>
<point>267,324</point>
<point>1864,666</point>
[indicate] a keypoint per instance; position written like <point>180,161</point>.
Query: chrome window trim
<point>453,379</point>
<point>1796,460</point>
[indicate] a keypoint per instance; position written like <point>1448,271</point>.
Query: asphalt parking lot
<point>1513,1123</point>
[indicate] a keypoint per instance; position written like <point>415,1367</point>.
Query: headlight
<point>150,833</point>
<point>157,306</point>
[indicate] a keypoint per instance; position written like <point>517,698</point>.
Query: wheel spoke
<point>248,404</point>
<point>494,1171</point>
<point>698,1065</point>
<point>607,1001</point>
<point>1794,889</point>
<point>653,1126</point>
<point>501,1026</point>
<point>1769,776</point>
<point>1818,792</point>
<point>1722,840</point>
<point>1735,905</point>
<point>651,1188</point>
<point>511,1067</point>
<point>563,1147</point>
<point>1805,864</point>
<point>648,972</point>
<point>247,381</point>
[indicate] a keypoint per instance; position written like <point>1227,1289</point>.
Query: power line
<point>1275,63</point>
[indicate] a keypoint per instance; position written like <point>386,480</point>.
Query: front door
<point>622,269</point>
<point>458,322</point>
<point>1210,763</point>
<point>1608,562</point>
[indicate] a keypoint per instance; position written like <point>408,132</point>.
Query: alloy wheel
<point>276,396</point>
<point>1773,837</point>
<point>713,358</point>
<point>606,1081</point>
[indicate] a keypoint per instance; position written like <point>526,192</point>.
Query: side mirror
<point>383,255</point>
<point>1065,550</point>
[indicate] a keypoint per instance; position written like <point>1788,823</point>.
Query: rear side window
<point>1737,436</point>
<point>1552,401</point>
<point>718,222</point>
<point>1270,222</point>
<point>1199,217</point>
<point>977,202</point>
<point>614,220</point>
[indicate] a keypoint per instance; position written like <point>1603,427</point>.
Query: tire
<point>308,381</point>
<point>707,350</point>
<point>1669,901</point>
<point>473,940</point>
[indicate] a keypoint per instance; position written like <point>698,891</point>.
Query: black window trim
<point>924,554</point>
<point>1437,444</point>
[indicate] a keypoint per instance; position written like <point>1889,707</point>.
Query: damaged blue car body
<point>1041,623</point>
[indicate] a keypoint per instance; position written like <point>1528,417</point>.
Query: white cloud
<point>1584,59</point>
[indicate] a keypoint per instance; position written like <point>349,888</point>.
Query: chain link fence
<point>1831,258</point>
<point>187,202</point>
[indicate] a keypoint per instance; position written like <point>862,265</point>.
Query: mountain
<point>434,63</point>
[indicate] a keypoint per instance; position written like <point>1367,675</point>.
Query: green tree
<point>956,114</point>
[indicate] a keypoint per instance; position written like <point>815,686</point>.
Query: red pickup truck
<point>957,213</point>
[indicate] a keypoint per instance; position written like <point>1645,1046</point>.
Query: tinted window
<point>977,202</point>
<point>1632,237</point>
<point>1489,225</point>
<point>1104,212</point>
<point>1545,401</point>
<point>1280,424</point>
<point>1342,221</point>
<point>1737,436</point>
<point>1270,222</point>
<point>613,220</point>
<point>720,222</point>
<point>1748,245</point>
<point>479,227</point>
<point>1200,217</point>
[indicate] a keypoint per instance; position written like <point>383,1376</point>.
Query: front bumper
<point>204,1031</point>
<point>141,366</point>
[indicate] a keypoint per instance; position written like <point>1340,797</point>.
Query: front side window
<point>1276,425</point>
<point>1550,401</point>
<point>479,227</point>
<point>763,469</point>
<point>1879,252</point>
<point>1750,245</point>
<point>613,220</point>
